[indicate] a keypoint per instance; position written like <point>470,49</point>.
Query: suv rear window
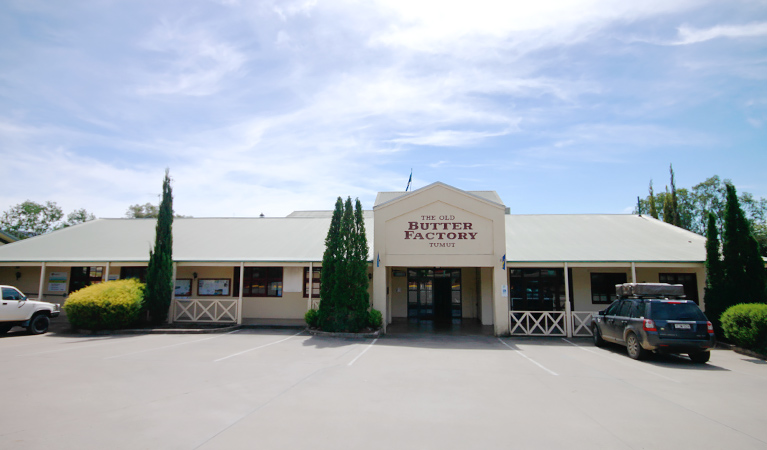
<point>676,311</point>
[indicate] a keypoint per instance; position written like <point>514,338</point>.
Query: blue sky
<point>567,106</point>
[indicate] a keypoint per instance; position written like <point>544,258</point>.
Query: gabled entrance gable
<point>439,226</point>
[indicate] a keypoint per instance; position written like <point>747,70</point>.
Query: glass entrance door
<point>434,294</point>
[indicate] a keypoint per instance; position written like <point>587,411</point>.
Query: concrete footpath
<point>281,388</point>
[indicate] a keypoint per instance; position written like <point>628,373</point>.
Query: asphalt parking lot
<point>273,389</point>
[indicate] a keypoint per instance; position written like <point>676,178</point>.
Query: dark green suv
<point>654,317</point>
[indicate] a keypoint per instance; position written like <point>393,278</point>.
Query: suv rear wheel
<point>634,348</point>
<point>38,324</point>
<point>700,357</point>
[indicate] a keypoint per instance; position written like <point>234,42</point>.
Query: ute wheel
<point>38,324</point>
<point>700,357</point>
<point>598,341</point>
<point>634,348</point>
<point>4,328</point>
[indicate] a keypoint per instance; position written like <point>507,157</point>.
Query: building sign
<point>57,282</point>
<point>439,229</point>
<point>443,230</point>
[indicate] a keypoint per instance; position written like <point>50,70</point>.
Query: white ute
<point>16,310</point>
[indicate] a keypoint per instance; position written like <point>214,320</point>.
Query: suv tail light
<point>710,328</point>
<point>649,325</point>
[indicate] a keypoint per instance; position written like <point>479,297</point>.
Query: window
<point>133,272</point>
<point>638,310</point>
<point>603,286</point>
<point>538,289</point>
<point>259,282</point>
<point>688,280</point>
<point>11,294</point>
<point>315,283</point>
<point>624,309</point>
<point>85,276</point>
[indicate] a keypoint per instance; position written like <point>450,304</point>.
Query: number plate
<point>683,326</point>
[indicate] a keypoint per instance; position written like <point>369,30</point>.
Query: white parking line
<point>528,358</point>
<point>633,364</point>
<point>169,346</point>
<point>256,348</point>
<point>363,352</point>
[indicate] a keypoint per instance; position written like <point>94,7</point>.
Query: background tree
<point>159,276</point>
<point>708,196</point>
<point>78,216</point>
<point>29,219</point>
<point>145,211</point>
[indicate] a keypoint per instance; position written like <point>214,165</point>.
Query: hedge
<point>746,326</point>
<point>106,306</point>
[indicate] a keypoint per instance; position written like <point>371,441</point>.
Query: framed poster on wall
<point>183,287</point>
<point>213,287</point>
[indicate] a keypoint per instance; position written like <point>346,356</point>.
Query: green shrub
<point>106,306</point>
<point>375,319</point>
<point>312,318</point>
<point>746,325</point>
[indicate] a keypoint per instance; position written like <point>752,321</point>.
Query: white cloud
<point>692,35</point>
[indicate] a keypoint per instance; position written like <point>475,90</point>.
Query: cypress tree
<point>653,208</point>
<point>744,271</point>
<point>675,219</point>
<point>327,314</point>
<point>668,209</point>
<point>714,274</point>
<point>360,259</point>
<point>159,276</point>
<point>344,297</point>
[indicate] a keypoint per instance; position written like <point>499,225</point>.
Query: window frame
<point>317,281</point>
<point>673,278</point>
<point>605,284</point>
<point>248,281</point>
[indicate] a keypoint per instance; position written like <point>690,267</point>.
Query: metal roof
<point>529,238</point>
<point>283,239</point>
<point>599,238</point>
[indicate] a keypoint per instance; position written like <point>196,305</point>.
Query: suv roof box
<point>649,290</point>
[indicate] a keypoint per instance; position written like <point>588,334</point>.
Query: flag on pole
<point>378,260</point>
<point>503,260</point>
<point>409,180</point>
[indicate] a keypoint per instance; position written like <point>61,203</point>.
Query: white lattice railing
<point>538,323</point>
<point>549,323</point>
<point>582,323</point>
<point>205,310</point>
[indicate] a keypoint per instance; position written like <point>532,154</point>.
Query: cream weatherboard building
<point>437,254</point>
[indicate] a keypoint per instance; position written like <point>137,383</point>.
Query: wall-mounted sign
<point>213,287</point>
<point>182,287</point>
<point>444,231</point>
<point>57,282</point>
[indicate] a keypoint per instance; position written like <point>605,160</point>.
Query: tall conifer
<point>714,274</point>
<point>329,273</point>
<point>744,272</point>
<point>675,219</point>
<point>653,208</point>
<point>344,297</point>
<point>159,276</point>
